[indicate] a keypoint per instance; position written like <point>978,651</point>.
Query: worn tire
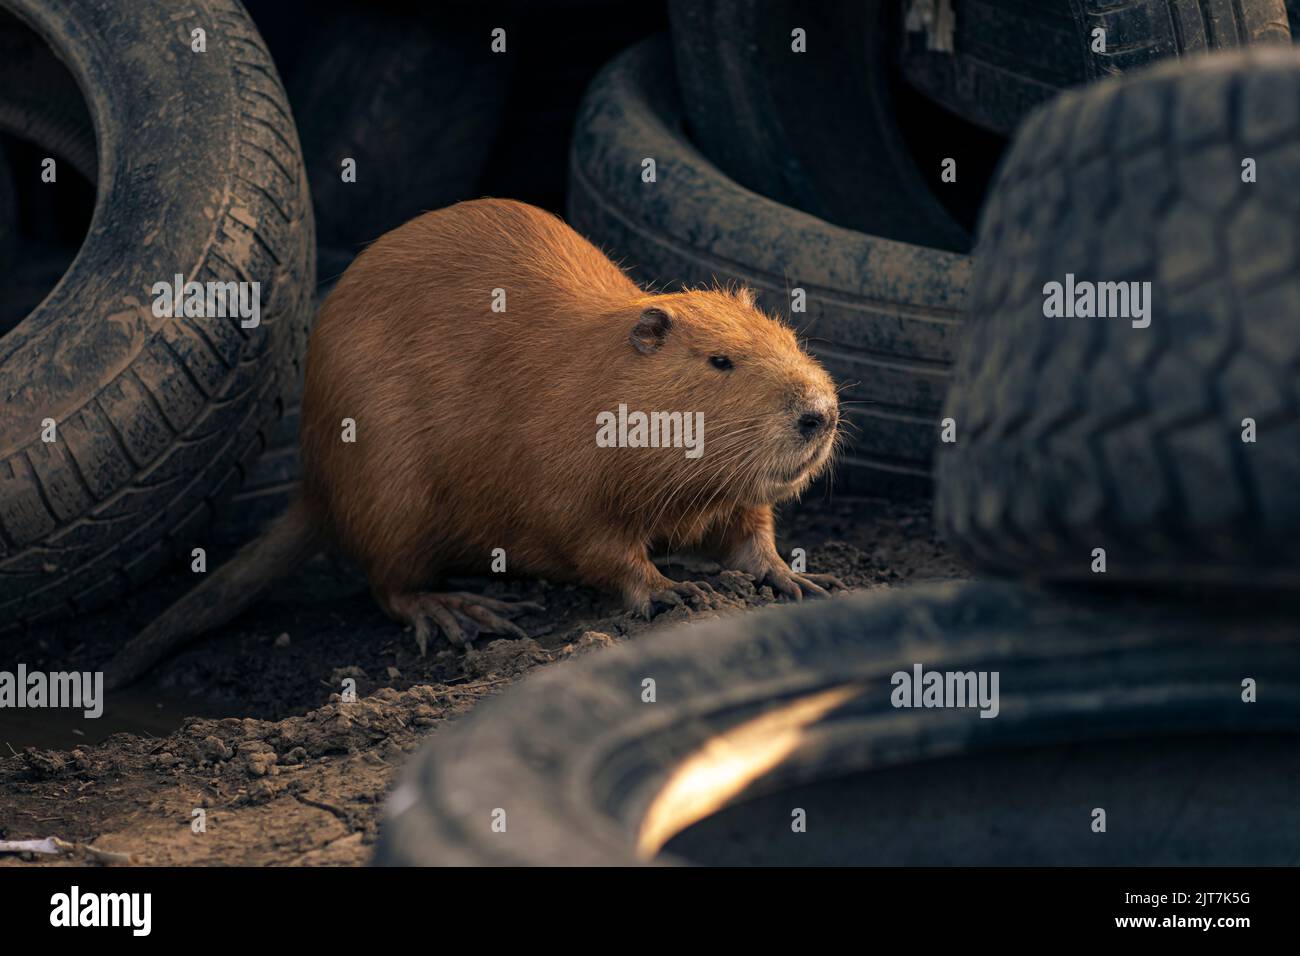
<point>1013,55</point>
<point>1076,433</point>
<point>201,174</point>
<point>578,760</point>
<point>882,316</point>
<point>816,131</point>
<point>269,483</point>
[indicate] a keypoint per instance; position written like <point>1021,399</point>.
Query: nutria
<point>475,351</point>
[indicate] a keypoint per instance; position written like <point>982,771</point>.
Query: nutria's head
<point>769,410</point>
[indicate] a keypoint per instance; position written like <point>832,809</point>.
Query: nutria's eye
<point>721,362</point>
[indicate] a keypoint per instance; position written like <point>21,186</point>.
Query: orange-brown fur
<point>476,429</point>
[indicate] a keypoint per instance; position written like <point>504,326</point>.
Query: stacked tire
<point>1170,450</point>
<point>123,430</point>
<point>1010,56</point>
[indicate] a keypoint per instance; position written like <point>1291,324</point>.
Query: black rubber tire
<point>814,130</point>
<point>577,759</point>
<point>1076,433</point>
<point>1011,56</point>
<point>882,316</point>
<point>416,100</point>
<point>201,174</point>
<point>269,483</point>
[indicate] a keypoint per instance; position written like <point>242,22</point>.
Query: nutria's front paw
<point>460,615</point>
<point>671,594</point>
<point>794,584</point>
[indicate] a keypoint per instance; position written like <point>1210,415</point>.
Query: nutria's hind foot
<point>460,615</point>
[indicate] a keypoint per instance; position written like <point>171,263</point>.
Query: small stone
<point>214,749</point>
<point>261,792</point>
<point>282,640</point>
<point>46,763</point>
<point>260,764</point>
<point>588,641</point>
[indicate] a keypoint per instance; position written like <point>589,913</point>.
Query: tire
<point>416,101</point>
<point>1011,56</point>
<point>882,316</point>
<point>583,767</point>
<point>157,419</point>
<point>816,131</point>
<point>269,483</point>
<point>1076,434</point>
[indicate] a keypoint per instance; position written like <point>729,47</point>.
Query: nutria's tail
<point>284,545</point>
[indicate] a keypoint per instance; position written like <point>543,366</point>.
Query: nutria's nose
<point>815,421</point>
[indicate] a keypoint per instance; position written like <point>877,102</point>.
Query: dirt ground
<point>249,727</point>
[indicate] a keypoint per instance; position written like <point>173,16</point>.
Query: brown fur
<point>476,430</point>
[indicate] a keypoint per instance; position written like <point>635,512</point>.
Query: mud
<point>250,727</point>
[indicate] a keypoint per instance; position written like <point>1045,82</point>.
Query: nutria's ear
<point>650,330</point>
